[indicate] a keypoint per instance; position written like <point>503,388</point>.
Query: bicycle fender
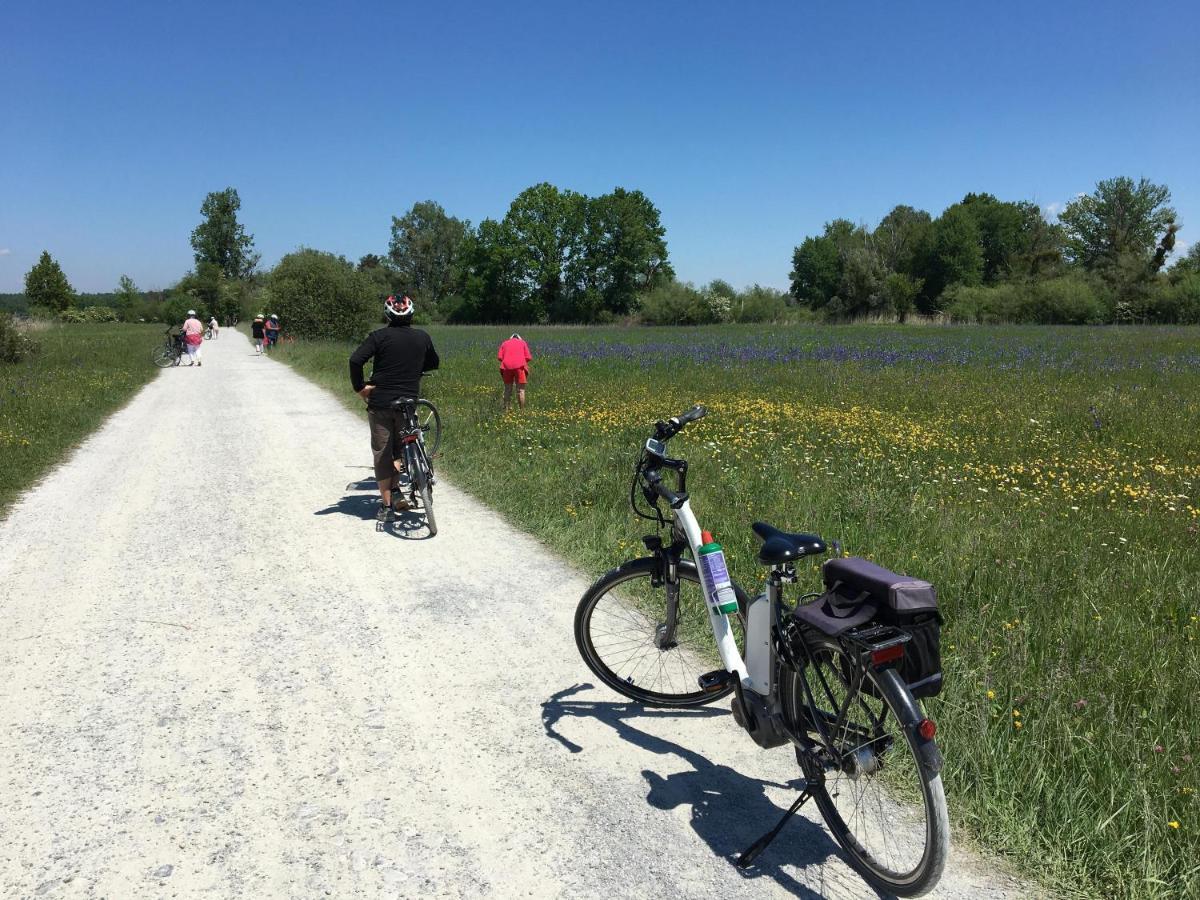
<point>889,681</point>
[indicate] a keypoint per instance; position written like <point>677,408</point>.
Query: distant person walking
<point>258,332</point>
<point>272,327</point>
<point>215,326</point>
<point>514,359</point>
<point>193,338</point>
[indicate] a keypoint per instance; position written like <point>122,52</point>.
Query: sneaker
<point>383,513</point>
<point>400,502</point>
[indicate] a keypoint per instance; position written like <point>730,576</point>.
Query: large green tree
<point>321,295</point>
<point>221,240</point>
<point>1120,218</point>
<point>1001,228</point>
<point>426,252</point>
<point>495,291</point>
<point>899,237</point>
<point>953,255</point>
<point>623,254</point>
<point>818,263</point>
<point>546,227</point>
<point>47,286</point>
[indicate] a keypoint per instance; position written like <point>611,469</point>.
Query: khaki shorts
<point>384,423</point>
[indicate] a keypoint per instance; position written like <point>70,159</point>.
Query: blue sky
<point>748,124</point>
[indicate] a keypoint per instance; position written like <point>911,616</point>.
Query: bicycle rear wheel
<point>430,423</point>
<point>620,631</point>
<point>877,782</point>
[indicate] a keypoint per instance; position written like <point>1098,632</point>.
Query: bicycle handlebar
<point>655,480</point>
<point>672,427</point>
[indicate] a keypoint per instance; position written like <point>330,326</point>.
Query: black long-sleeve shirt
<point>401,354</point>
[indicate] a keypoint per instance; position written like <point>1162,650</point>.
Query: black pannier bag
<point>858,591</point>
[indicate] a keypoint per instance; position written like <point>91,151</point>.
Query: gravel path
<point>220,680</point>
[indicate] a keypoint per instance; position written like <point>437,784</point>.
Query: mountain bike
<point>421,421</point>
<point>208,333</point>
<point>837,675</point>
<point>169,352</point>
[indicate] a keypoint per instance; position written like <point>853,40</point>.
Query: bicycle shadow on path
<point>730,811</point>
<point>408,525</point>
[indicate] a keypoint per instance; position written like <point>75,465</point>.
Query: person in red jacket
<point>514,359</point>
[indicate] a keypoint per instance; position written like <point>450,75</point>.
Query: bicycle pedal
<point>711,682</point>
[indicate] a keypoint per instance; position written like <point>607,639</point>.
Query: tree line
<point>561,256</point>
<point>988,260</point>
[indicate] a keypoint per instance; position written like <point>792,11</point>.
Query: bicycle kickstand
<point>751,853</point>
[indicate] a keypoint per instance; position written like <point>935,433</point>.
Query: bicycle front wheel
<point>164,357</point>
<point>623,635</point>
<point>876,781</point>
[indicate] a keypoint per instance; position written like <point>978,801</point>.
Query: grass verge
<point>52,400</point>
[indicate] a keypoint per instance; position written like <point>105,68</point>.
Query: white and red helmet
<point>398,307</point>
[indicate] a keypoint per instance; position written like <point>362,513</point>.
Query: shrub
<point>1179,300</point>
<point>88,315</point>
<point>1068,300</point>
<point>319,295</point>
<point>982,305</point>
<point>15,344</point>
<point>760,304</point>
<point>677,303</point>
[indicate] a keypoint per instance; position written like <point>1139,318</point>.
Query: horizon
<point>748,131</point>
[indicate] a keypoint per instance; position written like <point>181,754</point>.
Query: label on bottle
<point>714,563</point>
<point>721,596</point>
<point>727,600</point>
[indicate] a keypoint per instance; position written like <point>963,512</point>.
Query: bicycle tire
<point>164,357</point>
<point>431,420</point>
<point>643,659</point>
<point>426,491</point>
<point>872,814</point>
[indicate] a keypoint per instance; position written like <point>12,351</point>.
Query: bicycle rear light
<point>927,728</point>
<point>885,655</point>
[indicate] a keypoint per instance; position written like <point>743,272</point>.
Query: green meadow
<point>1045,479</point>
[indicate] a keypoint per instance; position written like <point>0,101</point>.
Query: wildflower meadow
<point>1047,480</point>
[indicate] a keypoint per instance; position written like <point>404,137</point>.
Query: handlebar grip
<point>674,425</point>
<point>675,499</point>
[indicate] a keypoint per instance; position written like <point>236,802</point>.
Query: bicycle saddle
<point>785,546</point>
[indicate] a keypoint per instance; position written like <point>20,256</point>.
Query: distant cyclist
<point>401,353</point>
<point>272,328</point>
<point>215,327</point>
<point>258,332</point>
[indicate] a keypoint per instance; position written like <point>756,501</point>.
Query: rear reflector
<point>927,729</point>
<point>887,655</point>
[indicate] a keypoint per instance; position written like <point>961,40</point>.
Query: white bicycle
<point>838,677</point>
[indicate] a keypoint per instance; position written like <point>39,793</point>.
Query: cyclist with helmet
<point>271,326</point>
<point>258,332</point>
<point>400,353</point>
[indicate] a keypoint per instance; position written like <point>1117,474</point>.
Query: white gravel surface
<point>221,680</point>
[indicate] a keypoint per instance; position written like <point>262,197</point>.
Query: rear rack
<point>874,636</point>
